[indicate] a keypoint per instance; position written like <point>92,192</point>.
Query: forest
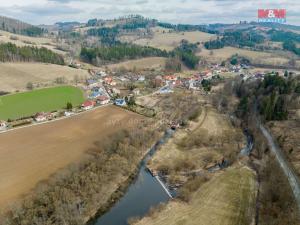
<point>118,52</point>
<point>11,53</point>
<point>239,38</point>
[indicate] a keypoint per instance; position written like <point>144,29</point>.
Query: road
<point>290,174</point>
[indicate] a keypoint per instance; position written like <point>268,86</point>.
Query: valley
<point>138,121</point>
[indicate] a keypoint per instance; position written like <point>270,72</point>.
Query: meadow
<point>42,100</point>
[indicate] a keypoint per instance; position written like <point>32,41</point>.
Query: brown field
<point>22,40</point>
<point>144,63</point>
<point>169,41</point>
<point>255,56</point>
<point>30,155</point>
<point>227,199</point>
<point>15,76</point>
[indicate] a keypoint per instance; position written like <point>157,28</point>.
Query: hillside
<point>19,27</point>
<point>15,76</point>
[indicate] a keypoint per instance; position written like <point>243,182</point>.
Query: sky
<point>174,11</point>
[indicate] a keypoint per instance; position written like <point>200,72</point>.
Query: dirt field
<point>144,63</point>
<point>21,40</point>
<point>227,199</point>
<point>168,41</point>
<point>30,155</point>
<point>255,56</point>
<point>15,76</point>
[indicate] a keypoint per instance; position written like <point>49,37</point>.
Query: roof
<point>103,98</point>
<point>87,104</point>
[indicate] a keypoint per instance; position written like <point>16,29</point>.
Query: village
<point>121,89</point>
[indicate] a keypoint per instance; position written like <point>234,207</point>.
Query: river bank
<point>125,206</point>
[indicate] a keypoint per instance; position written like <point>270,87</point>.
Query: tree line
<point>273,96</point>
<point>11,53</point>
<point>237,39</point>
<point>119,52</point>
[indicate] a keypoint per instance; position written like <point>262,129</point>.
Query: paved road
<point>291,175</point>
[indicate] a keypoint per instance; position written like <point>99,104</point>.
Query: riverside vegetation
<point>73,195</point>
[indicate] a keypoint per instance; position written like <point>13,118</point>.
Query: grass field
<point>227,199</point>
<point>22,40</point>
<point>144,63</point>
<point>42,100</point>
<point>15,76</point>
<point>168,41</point>
<point>255,56</point>
<point>32,154</point>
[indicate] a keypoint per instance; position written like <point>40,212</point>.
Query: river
<point>145,192</point>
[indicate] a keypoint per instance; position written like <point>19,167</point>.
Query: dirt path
<point>292,177</point>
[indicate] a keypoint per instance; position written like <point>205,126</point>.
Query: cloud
<point>175,11</point>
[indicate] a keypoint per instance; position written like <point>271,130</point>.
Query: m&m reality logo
<point>272,15</point>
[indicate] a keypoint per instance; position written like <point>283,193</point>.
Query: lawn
<point>42,100</point>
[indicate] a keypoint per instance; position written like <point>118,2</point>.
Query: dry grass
<point>287,134</point>
<point>144,63</point>
<point>21,40</point>
<point>30,155</point>
<point>227,199</point>
<point>15,76</point>
<point>209,126</point>
<point>169,41</point>
<point>255,56</point>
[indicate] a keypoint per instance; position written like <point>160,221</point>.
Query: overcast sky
<point>175,11</point>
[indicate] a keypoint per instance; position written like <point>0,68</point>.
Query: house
<point>92,83</point>
<point>94,95</point>
<point>3,125</point>
<point>102,100</point>
<point>120,102</point>
<point>170,78</point>
<point>41,117</point>
<point>87,105</point>
<point>110,81</point>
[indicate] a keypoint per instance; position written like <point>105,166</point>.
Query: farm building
<point>88,105</point>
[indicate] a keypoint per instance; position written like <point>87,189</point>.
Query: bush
<point>186,191</point>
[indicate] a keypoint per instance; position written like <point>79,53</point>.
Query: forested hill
<point>19,27</point>
<point>12,53</point>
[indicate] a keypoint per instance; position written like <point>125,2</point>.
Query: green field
<point>43,100</point>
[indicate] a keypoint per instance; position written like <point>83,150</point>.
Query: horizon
<point>49,12</point>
